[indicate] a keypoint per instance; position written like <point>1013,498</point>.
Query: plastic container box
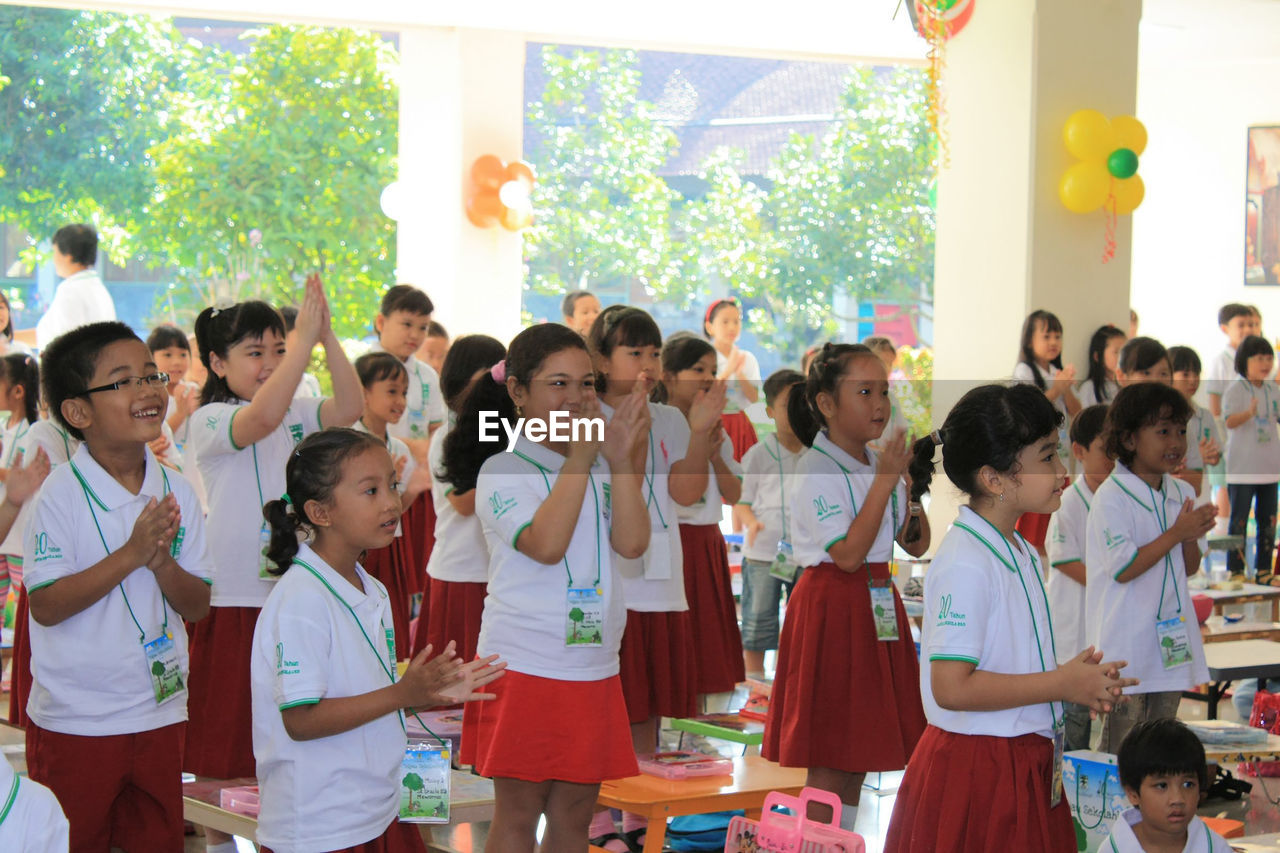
<point>680,764</point>
<point>240,800</point>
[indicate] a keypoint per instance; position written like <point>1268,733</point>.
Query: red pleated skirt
<point>454,614</point>
<point>390,566</point>
<point>398,838</point>
<point>658,678</point>
<point>20,679</point>
<point>219,707</point>
<point>418,529</point>
<point>974,793</point>
<point>543,729</point>
<point>841,698</point>
<point>741,432</point>
<point>717,641</point>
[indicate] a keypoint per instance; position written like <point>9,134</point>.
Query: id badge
<point>163,668</point>
<point>418,421</point>
<point>784,565</point>
<point>265,563</point>
<point>1264,429</point>
<point>1175,644</point>
<point>584,617</point>
<point>1055,779</point>
<point>884,610</point>
<point>424,783</point>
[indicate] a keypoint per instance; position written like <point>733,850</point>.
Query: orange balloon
<point>485,209</point>
<point>488,172</point>
<point>515,219</point>
<point>521,171</point>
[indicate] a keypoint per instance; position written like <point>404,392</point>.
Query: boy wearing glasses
<point>116,561</point>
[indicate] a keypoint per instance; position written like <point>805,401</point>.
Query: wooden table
<point>470,801</point>
<point>1249,594</point>
<point>1235,660</point>
<point>1226,753</point>
<point>1231,631</point>
<point>658,799</point>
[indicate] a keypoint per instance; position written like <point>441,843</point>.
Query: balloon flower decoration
<point>938,21</point>
<point>500,193</point>
<point>1106,175</point>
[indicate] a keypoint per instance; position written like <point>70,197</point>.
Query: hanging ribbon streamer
<point>936,105</point>
<point>1109,238</point>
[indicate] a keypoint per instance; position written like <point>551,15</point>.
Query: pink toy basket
<point>794,833</point>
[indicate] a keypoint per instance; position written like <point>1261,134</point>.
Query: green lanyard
<point>257,478</point>
<point>89,498</point>
<point>653,466</point>
<point>1012,565</point>
<point>591,482</point>
<point>782,485</point>
<point>1161,513</point>
<point>13,446</point>
<point>354,618</point>
<point>9,800</point>
<point>1266,399</point>
<point>422,386</point>
<point>893,495</point>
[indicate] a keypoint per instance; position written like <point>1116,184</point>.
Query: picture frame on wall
<point>1262,207</point>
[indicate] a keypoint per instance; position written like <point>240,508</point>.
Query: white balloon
<point>392,201</point>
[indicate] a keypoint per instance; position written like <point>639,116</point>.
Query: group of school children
<point>577,590</point>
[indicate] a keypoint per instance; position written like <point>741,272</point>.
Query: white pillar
<point>461,95</point>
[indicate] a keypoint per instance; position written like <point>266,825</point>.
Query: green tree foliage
<point>280,174</point>
<point>598,148</point>
<point>412,782</point>
<point>86,102</point>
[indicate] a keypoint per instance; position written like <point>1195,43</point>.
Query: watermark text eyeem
<point>561,427</point>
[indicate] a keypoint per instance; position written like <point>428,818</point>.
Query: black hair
<point>7,331</point>
<point>1141,353</point>
<point>18,368</point>
<point>1184,360</point>
<point>435,330</point>
<point>680,352</point>
<point>1232,310</point>
<point>714,311</point>
<point>620,326</point>
<point>313,471</point>
<point>1088,424</point>
<point>218,330</point>
<point>779,381</point>
<point>376,366</point>
<point>1164,747</point>
<point>1249,347</point>
<point>570,302</point>
<point>1027,355</point>
<point>164,337</point>
<point>1097,375</point>
<point>289,313</point>
<point>467,356</point>
<point>405,297</point>
<point>464,453</point>
<point>990,425</point>
<point>70,361</point>
<point>1141,405</point>
<point>831,362</point>
<point>78,242</point>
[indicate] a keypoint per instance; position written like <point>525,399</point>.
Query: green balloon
<point>1122,163</point>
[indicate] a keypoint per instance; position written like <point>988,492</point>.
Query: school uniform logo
<point>1113,540</point>
<point>948,617</point>
<point>46,550</point>
<point>295,432</point>
<point>825,508</point>
<point>284,666</point>
<point>211,423</point>
<point>499,505</point>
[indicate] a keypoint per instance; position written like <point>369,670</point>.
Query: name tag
<point>424,783</point>
<point>1175,643</point>
<point>584,617</point>
<point>884,610</point>
<point>784,566</point>
<point>163,668</point>
<point>265,563</point>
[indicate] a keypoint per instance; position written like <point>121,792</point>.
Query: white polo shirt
<point>655,581</point>
<point>90,673</point>
<point>317,638</point>
<point>31,819</point>
<point>58,446</point>
<point>398,450</point>
<point>424,404</point>
<point>709,509</point>
<point>461,554</point>
<point>769,487</point>
<point>238,482</point>
<point>1250,460</point>
<point>984,603</point>
<point>308,386</point>
<point>525,611</point>
<point>735,400</point>
<point>1066,544</point>
<point>1120,618</point>
<point>831,487</point>
<point>1200,838</point>
<point>81,298</point>
<point>1088,397</point>
<point>1220,371</point>
<point>1202,427</point>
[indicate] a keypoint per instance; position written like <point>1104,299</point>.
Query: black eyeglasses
<point>155,380</point>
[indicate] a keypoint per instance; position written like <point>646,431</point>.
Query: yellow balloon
<point>1089,136</point>
<point>1084,187</point>
<point>1130,133</point>
<point>1129,194</point>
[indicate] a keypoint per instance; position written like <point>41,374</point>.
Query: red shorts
<point>20,682</point>
<point>398,838</point>
<point>118,790</point>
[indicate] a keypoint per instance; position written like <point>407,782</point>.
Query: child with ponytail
<point>243,434</point>
<point>20,400</point>
<point>1100,385</point>
<point>554,513</point>
<point>328,709</point>
<point>845,698</point>
<point>993,691</point>
<point>458,569</point>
